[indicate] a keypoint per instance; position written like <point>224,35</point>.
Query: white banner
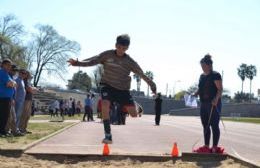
<point>190,101</point>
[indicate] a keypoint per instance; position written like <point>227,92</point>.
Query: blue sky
<point>168,37</point>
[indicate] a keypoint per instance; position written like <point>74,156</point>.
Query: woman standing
<point>210,91</point>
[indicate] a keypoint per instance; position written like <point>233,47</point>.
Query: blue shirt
<point>5,92</point>
<point>88,102</point>
<point>20,90</point>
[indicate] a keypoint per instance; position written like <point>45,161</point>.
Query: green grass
<point>48,117</point>
<point>38,130</point>
<point>242,119</point>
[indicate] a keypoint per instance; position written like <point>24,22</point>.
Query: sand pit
<point>28,161</point>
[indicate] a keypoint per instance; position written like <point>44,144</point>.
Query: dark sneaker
<point>18,133</point>
<point>107,139</point>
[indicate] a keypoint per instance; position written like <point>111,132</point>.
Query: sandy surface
<point>27,161</point>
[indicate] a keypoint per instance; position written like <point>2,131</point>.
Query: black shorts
<point>123,97</point>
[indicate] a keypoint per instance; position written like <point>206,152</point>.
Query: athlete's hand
<point>72,62</point>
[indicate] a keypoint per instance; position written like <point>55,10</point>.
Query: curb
<point>248,163</point>
<point>22,150</point>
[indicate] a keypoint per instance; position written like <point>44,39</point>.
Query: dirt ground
<point>27,161</point>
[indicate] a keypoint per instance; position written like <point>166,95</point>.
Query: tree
<point>241,97</point>
<point>149,74</point>
<point>192,89</point>
<point>180,95</point>
<point>138,81</point>
<point>250,74</point>
<point>50,51</point>
<point>10,43</point>
<point>241,71</point>
<point>11,28</point>
<point>80,81</point>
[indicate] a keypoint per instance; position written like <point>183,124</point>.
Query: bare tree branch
<point>51,51</point>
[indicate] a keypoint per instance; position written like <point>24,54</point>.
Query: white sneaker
<point>107,139</point>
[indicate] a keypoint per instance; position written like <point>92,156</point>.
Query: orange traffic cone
<point>175,150</point>
<point>106,150</point>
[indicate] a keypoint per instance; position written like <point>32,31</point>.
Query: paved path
<point>140,136</point>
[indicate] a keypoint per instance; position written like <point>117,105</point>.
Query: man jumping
<point>116,80</point>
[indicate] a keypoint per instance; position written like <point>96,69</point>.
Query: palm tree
<point>250,74</point>
<point>149,74</point>
<point>241,71</point>
<point>138,81</point>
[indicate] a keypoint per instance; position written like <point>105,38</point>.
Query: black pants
<point>5,108</point>
<point>210,122</point>
<point>78,111</point>
<point>157,117</point>
<point>89,112</point>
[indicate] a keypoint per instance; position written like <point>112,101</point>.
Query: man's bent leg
<point>131,109</point>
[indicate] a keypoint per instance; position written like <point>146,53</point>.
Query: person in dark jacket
<point>158,108</point>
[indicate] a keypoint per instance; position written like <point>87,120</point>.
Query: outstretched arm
<point>138,70</point>
<point>148,81</point>
<point>87,62</point>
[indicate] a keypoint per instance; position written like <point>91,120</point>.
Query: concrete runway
<point>140,136</point>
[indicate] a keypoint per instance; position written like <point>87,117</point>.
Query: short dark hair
<point>5,61</point>
<point>206,60</point>
<point>123,40</point>
<point>22,71</point>
<point>15,68</point>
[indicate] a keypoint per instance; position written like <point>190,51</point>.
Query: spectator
<point>27,104</point>
<point>57,107</point>
<point>88,108</point>
<point>7,85</point>
<point>62,108</point>
<point>78,107</point>
<point>11,126</point>
<point>52,107</point>
<point>91,112</point>
<point>70,102</point>
<point>73,107</point>
<point>158,109</point>
<point>20,97</point>
<point>99,114</point>
<point>66,107</point>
